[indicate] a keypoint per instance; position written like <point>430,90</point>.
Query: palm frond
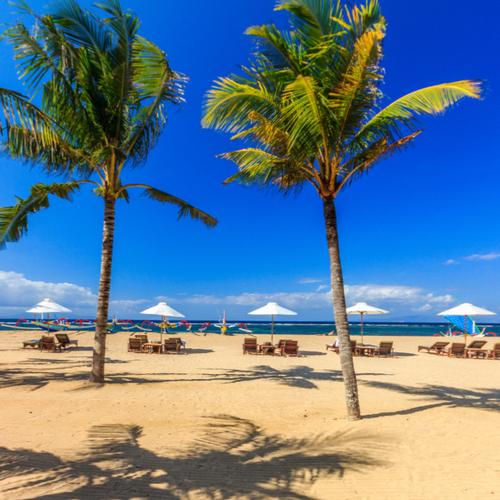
<point>400,114</point>
<point>278,47</point>
<point>154,84</point>
<point>312,18</point>
<point>185,208</point>
<point>357,92</point>
<point>306,115</point>
<point>231,100</point>
<point>14,219</point>
<point>361,163</point>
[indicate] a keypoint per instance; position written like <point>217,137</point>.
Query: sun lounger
<point>65,341</point>
<point>49,344</point>
<point>135,345</point>
<point>475,349</point>
<point>495,352</point>
<point>456,350</point>
<point>250,346</point>
<point>436,348</point>
<point>384,349</point>
<point>142,337</point>
<point>336,349</point>
<point>34,343</point>
<point>290,348</point>
<point>173,345</point>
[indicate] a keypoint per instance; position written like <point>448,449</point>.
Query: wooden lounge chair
<point>477,344</point>
<point>141,336</point>
<point>332,347</point>
<point>135,345</point>
<point>290,348</point>
<point>173,345</point>
<point>456,350</point>
<point>436,348</point>
<point>475,349</point>
<point>49,344</point>
<point>384,349</point>
<point>279,347</point>
<point>495,352</point>
<point>34,343</point>
<point>250,346</point>
<point>65,341</point>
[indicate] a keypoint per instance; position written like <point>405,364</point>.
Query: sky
<point>420,233</point>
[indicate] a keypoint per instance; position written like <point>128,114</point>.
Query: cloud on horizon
<point>396,296</point>
<point>476,257</point>
<point>19,293</point>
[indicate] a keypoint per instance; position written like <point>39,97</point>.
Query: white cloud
<point>309,281</point>
<point>395,296</point>
<point>476,257</point>
<point>483,256</point>
<point>19,292</point>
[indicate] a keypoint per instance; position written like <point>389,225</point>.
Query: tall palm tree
<point>309,107</point>
<point>104,90</point>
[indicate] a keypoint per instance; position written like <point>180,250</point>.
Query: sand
<point>217,424</point>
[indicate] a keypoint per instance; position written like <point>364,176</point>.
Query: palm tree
<point>309,107</point>
<point>104,90</point>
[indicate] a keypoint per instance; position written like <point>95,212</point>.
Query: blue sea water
<point>310,328</point>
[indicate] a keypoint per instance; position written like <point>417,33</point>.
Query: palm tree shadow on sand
<point>233,458</point>
<point>439,396</point>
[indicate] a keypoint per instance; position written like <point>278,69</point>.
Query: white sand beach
<point>215,423</point>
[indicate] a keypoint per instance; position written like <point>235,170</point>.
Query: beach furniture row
<point>476,349</point>
<point>359,349</point>
<point>59,342</point>
<point>140,343</point>
<point>285,347</point>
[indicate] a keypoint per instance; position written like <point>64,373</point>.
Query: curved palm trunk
<point>339,306</point>
<point>108,232</point>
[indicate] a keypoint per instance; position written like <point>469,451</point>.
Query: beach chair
<point>384,349</point>
<point>49,344</point>
<point>142,337</point>
<point>495,352</point>
<point>332,347</point>
<point>250,346</point>
<point>475,349</point>
<point>279,347</point>
<point>456,350</point>
<point>135,345</point>
<point>290,348</point>
<point>173,345</point>
<point>436,348</point>
<point>65,341</point>
<point>34,343</point>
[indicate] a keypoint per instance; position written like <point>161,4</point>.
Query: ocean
<point>289,328</point>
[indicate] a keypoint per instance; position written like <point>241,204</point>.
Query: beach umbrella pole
<point>362,317</point>
<point>272,329</point>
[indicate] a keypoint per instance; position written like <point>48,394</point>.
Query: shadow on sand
<point>232,459</point>
<point>439,396</point>
<point>303,377</point>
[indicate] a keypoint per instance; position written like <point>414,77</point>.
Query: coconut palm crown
<point>309,108</point>
<point>102,91</point>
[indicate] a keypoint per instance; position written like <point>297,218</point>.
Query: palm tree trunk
<point>339,307</point>
<point>108,232</point>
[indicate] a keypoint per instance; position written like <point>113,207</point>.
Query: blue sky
<point>418,234</point>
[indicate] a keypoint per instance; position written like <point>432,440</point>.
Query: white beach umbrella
<point>48,306</point>
<point>272,309</point>
<point>466,310</point>
<point>165,311</point>
<point>363,308</point>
